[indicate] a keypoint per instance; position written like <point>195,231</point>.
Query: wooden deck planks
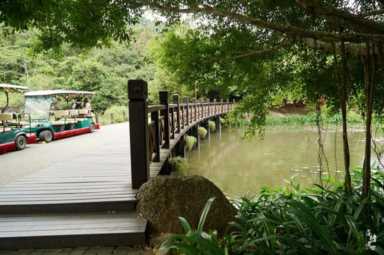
<point>70,230</point>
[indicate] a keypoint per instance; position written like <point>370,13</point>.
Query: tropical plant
<point>195,241</point>
<point>178,165</point>
<point>212,125</point>
<point>190,142</point>
<point>316,221</point>
<point>202,131</point>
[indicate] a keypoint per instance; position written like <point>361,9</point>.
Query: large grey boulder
<point>163,199</point>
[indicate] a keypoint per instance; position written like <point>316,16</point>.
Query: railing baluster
<point>163,95</point>
<point>155,118</point>
<point>177,103</point>
<point>209,110</point>
<point>172,109</point>
<point>222,106</point>
<point>182,121</point>
<point>186,102</point>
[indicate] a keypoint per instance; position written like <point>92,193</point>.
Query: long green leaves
<point>319,221</point>
<point>195,241</point>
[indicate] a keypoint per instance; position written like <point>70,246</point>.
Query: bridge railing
<point>153,127</point>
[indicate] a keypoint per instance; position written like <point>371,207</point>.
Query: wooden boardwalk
<point>74,202</point>
<point>89,199</point>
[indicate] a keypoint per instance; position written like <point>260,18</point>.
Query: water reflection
<point>243,166</point>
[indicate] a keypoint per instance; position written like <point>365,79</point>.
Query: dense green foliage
<point>297,221</point>
<point>114,114</point>
<point>80,22</point>
<point>103,70</point>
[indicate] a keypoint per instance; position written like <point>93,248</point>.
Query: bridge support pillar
<point>180,148</point>
<point>138,113</point>
<point>218,126</point>
<point>195,133</point>
<point>209,132</point>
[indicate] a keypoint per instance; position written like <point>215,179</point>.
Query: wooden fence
<point>153,127</point>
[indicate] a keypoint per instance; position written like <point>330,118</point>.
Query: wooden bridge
<point>90,199</point>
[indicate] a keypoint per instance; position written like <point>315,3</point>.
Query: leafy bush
<point>310,119</point>
<point>317,221</point>
<point>190,142</point>
<point>202,132</point>
<point>212,126</point>
<point>195,241</point>
<point>178,165</point>
<point>114,114</point>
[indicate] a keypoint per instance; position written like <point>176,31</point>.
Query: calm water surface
<point>242,166</point>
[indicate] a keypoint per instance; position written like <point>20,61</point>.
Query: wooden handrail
<point>167,121</point>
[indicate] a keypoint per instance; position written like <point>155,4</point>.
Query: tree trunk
<point>347,157</point>
<point>322,157</point>
<point>369,80</point>
<point>319,141</point>
<point>343,105</point>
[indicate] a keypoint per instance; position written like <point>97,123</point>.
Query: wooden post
<point>163,95</point>
<point>227,106</point>
<point>138,112</point>
<point>218,126</point>
<point>208,106</point>
<point>155,118</point>
<point>172,109</point>
<point>177,103</point>
<point>182,114</point>
<point>186,102</point>
<point>209,131</point>
<point>222,106</point>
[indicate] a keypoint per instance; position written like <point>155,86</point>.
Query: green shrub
<point>114,114</point>
<point>314,221</point>
<point>190,142</point>
<point>178,165</point>
<point>202,132</point>
<point>195,241</point>
<point>317,221</point>
<point>212,126</point>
